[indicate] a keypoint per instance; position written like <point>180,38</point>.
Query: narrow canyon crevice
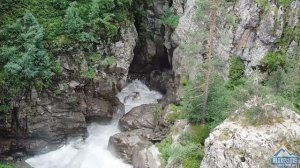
<point>152,60</point>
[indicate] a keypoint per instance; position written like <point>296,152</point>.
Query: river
<point>93,152</point>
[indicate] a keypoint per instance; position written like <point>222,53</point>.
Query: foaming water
<point>145,95</point>
<point>93,152</point>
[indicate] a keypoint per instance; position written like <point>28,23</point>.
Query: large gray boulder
<point>236,143</point>
<point>147,158</point>
<point>139,117</point>
<point>125,144</point>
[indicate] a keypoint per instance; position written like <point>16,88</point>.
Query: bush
<point>6,165</point>
<point>164,148</point>
<point>236,72</point>
<point>170,19</point>
<point>189,155</point>
<point>272,61</point>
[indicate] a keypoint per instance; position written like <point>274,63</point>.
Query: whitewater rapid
<point>93,152</point>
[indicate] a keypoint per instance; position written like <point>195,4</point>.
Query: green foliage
<point>25,63</point>
<point>89,74</point>
<point>236,72</point>
<point>34,63</point>
<point>189,156</point>
<point>189,151</point>
<point>175,115</point>
<point>285,82</point>
<point>297,34</point>
<point>285,3</point>
<point>6,165</point>
<point>164,148</point>
<point>170,19</point>
<point>197,133</point>
<point>264,4</point>
<point>204,8</point>
<point>106,16</point>
<point>272,61</point>
<point>275,80</point>
<point>220,101</point>
<point>73,23</point>
<point>288,36</point>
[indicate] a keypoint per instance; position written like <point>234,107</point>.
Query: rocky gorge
<point>163,57</point>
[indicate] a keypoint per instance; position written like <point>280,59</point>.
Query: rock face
<point>73,100</point>
<point>237,144</point>
<point>253,34</point>
<point>150,52</point>
<point>139,117</point>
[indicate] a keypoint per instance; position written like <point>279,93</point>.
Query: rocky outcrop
<point>235,143</point>
<point>74,98</point>
<point>245,29</point>
<point>139,117</point>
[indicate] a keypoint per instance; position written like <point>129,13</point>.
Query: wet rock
<point>98,109</point>
<point>147,158</point>
<point>139,117</point>
<point>161,81</point>
<point>125,144</point>
<point>21,164</point>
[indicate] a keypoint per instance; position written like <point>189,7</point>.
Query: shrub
<point>164,148</point>
<point>236,72</point>
<point>272,61</point>
<point>6,165</point>
<point>170,19</point>
<point>189,155</point>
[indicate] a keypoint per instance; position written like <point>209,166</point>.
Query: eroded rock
<point>235,143</point>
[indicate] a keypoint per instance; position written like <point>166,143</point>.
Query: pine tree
<point>73,23</point>
<point>29,66</point>
<point>209,70</point>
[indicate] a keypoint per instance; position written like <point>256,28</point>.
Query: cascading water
<point>93,152</point>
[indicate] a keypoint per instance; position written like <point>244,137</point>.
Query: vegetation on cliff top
<point>34,32</point>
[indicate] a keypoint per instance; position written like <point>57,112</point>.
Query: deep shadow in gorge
<point>152,61</point>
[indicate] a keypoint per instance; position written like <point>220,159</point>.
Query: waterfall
<point>93,152</point>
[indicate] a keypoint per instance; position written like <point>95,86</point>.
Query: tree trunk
<point>209,72</point>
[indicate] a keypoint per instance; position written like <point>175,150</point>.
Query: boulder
<point>125,144</point>
<point>139,117</point>
<point>147,158</point>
